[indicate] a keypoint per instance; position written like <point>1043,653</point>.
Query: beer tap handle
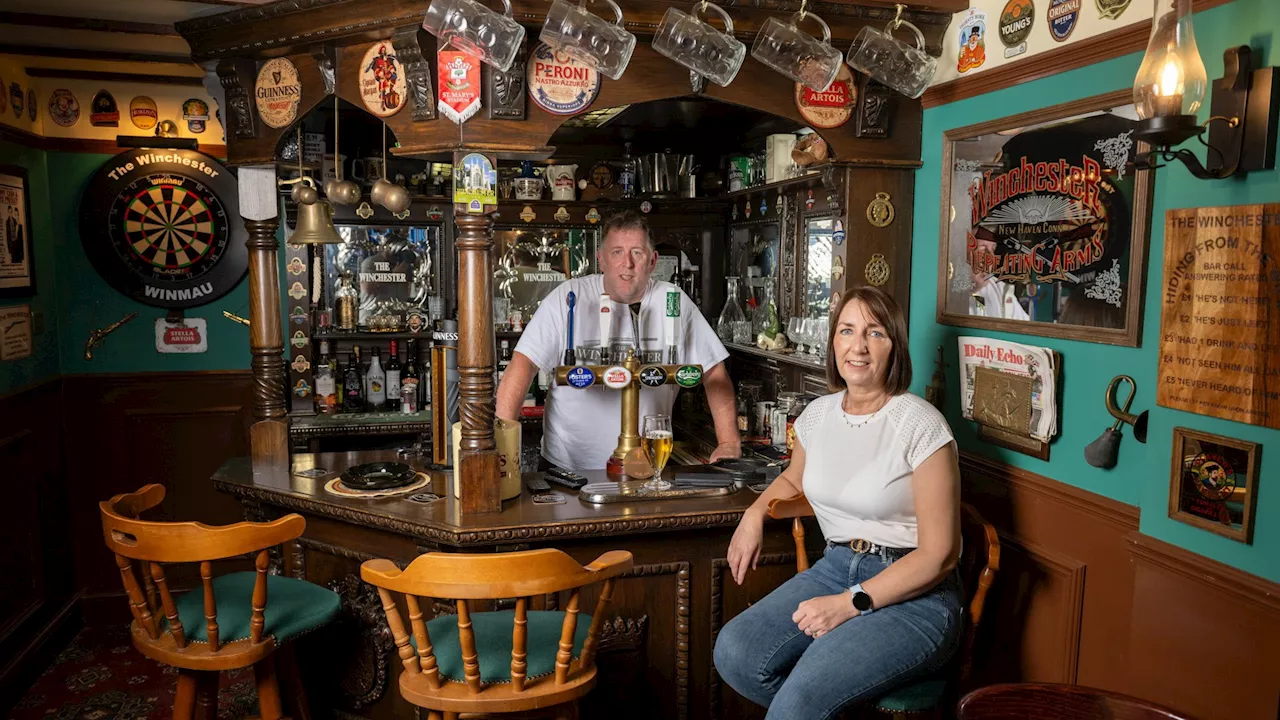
<point>635,327</point>
<point>606,326</point>
<point>568,352</point>
<point>672,320</point>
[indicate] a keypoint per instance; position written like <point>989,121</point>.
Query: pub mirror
<point>531,261</point>
<point>1044,223</point>
<point>818,234</point>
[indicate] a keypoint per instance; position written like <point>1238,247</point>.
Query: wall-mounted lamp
<point>1170,88</point>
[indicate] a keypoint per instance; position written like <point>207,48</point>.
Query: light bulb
<point>1172,78</point>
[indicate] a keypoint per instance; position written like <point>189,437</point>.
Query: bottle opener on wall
<point>1102,453</point>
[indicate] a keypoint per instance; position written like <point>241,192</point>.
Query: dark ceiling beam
<point>100,76</point>
<point>67,22</point>
<point>82,54</point>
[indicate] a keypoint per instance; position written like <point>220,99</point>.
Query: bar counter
<point>655,653</point>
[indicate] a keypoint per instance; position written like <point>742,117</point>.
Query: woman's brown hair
<point>886,311</point>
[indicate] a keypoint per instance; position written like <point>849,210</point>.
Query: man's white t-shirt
<point>997,301</point>
<point>858,468</point>
<point>580,429</point>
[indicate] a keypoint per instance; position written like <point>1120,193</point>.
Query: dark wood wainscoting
<point>1083,597</point>
<point>129,430</point>
<point>37,608</point>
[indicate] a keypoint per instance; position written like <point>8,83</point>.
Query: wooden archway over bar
<point>326,40</point>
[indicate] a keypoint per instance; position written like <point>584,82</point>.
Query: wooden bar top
<point>441,521</point>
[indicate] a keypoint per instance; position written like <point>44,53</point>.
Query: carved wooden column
<point>269,436</point>
<point>476,468</point>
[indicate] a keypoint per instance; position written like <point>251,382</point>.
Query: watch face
<point>862,601</point>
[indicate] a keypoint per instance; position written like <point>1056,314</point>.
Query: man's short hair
<point>627,220</point>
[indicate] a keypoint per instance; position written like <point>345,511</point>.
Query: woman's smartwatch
<point>861,600</point>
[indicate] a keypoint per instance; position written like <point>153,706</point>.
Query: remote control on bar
<point>567,478</point>
<point>537,485</point>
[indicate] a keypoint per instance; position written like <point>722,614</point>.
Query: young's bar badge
<point>1015,26</point>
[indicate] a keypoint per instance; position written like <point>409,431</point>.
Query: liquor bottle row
<point>362,386</point>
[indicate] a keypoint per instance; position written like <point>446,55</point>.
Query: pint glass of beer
<point>657,441</point>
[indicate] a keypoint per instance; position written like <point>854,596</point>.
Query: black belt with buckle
<point>859,545</point>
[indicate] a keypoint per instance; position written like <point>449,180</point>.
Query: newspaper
<point>1039,363</point>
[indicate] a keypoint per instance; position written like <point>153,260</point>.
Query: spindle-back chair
<point>979,564</point>
<point>495,661</point>
<point>225,624</point>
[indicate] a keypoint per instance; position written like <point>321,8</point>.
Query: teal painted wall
<point>87,302</point>
<point>1142,476</point>
<point>43,363</point>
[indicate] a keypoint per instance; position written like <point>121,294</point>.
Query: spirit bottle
<point>393,379</point>
<point>346,303</point>
<point>409,379</point>
<point>627,178</point>
<point>376,384</point>
<point>733,325</point>
<point>326,383</point>
<point>353,384</point>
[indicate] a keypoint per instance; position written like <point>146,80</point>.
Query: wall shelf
<point>789,358</point>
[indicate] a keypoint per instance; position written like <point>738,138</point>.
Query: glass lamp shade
<point>1172,78</point>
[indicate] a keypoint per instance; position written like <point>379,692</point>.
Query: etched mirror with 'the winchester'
<point>1044,223</point>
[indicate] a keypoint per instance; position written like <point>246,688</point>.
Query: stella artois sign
<point>832,107</point>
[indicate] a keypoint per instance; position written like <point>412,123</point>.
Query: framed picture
<point>17,266</point>
<point>1045,222</point>
<point>1213,483</point>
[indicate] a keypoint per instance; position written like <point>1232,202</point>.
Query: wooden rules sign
<point>1220,316</point>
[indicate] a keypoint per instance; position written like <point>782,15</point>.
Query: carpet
<point>100,676</point>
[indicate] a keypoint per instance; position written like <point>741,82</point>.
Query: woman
<point>879,467</point>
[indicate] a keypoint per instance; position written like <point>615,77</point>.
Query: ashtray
<point>378,476</point>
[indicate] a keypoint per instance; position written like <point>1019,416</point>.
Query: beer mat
<point>337,487</point>
<point>548,499</point>
<point>313,472</point>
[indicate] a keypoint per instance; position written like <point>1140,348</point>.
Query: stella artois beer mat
<point>832,107</point>
<point>277,92</point>
<point>1219,338</point>
<point>459,83</point>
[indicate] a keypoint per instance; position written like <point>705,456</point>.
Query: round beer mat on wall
<point>163,227</point>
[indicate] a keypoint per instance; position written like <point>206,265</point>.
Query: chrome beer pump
<point>626,370</point>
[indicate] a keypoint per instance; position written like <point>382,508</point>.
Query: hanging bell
<point>315,225</point>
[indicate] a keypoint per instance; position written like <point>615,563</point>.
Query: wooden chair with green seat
<point>498,661</point>
<point>979,562</point>
<point>228,623</point>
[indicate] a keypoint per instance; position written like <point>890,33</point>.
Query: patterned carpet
<point>100,676</point>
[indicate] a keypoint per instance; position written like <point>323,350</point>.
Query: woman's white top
<point>858,468</point>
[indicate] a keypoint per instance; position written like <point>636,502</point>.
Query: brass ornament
<point>97,337</point>
<point>880,211</point>
<point>365,211</point>
<point>837,268</point>
<point>877,270</point>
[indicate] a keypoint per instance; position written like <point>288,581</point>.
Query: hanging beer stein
<point>474,29</point>
<point>695,44</point>
<point>800,56</point>
<point>605,46</point>
<point>884,58</point>
<point>1102,453</point>
<point>339,191</point>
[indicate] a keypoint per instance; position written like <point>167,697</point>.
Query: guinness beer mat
<point>277,92</point>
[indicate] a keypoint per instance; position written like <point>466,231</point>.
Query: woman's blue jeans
<point>765,657</point>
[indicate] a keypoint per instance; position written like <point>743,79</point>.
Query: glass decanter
<point>765,316</point>
<point>733,325</point>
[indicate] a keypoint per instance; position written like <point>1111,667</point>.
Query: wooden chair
<point>978,566</point>
<point>498,661</point>
<point>226,625</point>
<point>1050,701</point>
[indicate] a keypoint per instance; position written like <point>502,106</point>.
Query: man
<point>991,296</point>
<point>581,427</point>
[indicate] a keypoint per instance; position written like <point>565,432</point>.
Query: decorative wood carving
<point>875,110</point>
<point>363,646</point>
<point>477,464</point>
<point>268,351</point>
<point>718,566</point>
<point>257,512</point>
<point>788,244</point>
<point>417,72</point>
<point>504,92</point>
<point>622,635</point>
<point>681,571</point>
<point>326,57</point>
<point>297,560</point>
<point>237,78</point>
<point>602,528</point>
<point>307,543</point>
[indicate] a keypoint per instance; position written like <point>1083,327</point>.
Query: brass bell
<point>315,225</point>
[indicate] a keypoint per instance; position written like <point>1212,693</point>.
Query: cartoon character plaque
<point>1213,483</point>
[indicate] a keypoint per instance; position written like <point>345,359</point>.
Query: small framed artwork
<point>17,266</point>
<point>1213,483</point>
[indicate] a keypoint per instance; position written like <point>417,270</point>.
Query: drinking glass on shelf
<point>656,440</point>
<point>793,332</point>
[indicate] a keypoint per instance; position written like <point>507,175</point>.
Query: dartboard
<point>162,227</point>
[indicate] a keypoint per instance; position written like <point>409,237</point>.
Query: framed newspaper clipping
<point>17,265</point>
<point>1044,223</point>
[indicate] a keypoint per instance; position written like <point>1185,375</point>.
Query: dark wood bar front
<point>655,650</point>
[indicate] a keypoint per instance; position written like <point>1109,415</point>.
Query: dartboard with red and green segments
<point>162,227</point>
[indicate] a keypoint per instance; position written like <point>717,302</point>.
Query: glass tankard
<point>693,43</point>
<point>476,30</point>
<point>605,46</point>
<point>797,54</point>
